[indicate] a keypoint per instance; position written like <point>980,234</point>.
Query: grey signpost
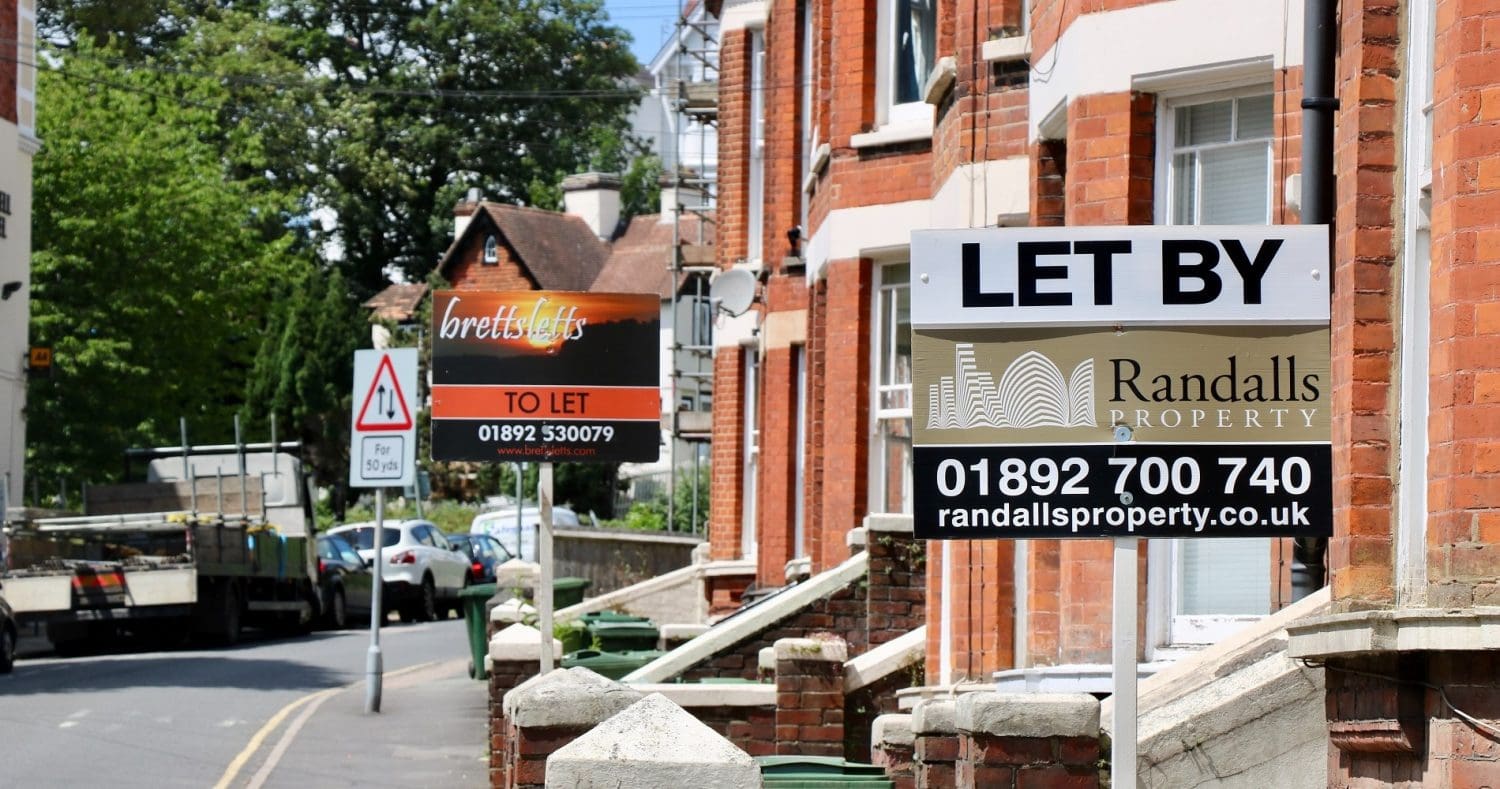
<point>382,453</point>
<point>1121,383</point>
<point>543,376</point>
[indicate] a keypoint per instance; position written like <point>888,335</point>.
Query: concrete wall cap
<point>889,522</point>
<point>520,643</point>
<point>855,538</point>
<point>682,631</point>
<point>1029,714</point>
<point>934,716</point>
<point>891,729</point>
<point>512,610</point>
<point>649,744</point>
<point>506,702</point>
<point>830,649</point>
<point>576,697</point>
<point>767,658</point>
<point>517,573</point>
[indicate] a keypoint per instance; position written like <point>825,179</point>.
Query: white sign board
<point>1100,276</point>
<point>383,446</point>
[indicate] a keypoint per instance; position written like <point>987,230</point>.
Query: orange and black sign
<point>39,360</point>
<point>546,376</point>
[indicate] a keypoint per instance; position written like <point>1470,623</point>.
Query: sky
<point>649,22</point>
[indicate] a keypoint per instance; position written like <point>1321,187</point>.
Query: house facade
<point>844,126</point>
<point>18,144</point>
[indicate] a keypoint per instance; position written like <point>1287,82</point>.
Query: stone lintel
<point>1028,714</point>
<point>892,729</point>
<point>832,650</point>
<point>934,716</point>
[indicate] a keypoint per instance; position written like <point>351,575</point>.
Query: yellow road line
<point>256,741</point>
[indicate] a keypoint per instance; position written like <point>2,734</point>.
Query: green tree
<point>152,268</point>
<point>304,368</point>
<point>433,98</point>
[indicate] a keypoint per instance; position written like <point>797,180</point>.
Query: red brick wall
<point>731,213</point>
<point>467,271</point>
<point>8,57</point>
<point>1361,553</point>
<point>727,454</point>
<point>1464,426</point>
<point>846,410</point>
<point>1046,27</point>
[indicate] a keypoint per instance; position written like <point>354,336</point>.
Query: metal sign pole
<point>544,555</point>
<point>374,666</point>
<point>1123,642</point>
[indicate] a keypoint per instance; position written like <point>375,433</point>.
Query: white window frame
<point>888,112</point>
<point>755,191</point>
<point>491,251</point>
<point>882,346</point>
<point>751,425</point>
<point>1167,631</point>
<point>799,469</point>
<point>1416,311</point>
<point>1166,124</point>
<point>809,131</point>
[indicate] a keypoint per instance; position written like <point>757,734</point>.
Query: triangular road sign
<point>385,404</point>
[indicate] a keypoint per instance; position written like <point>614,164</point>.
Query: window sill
<point>940,81</point>
<point>893,134</point>
<point>1002,50</point>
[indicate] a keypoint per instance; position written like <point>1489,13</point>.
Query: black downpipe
<point>1319,49</point>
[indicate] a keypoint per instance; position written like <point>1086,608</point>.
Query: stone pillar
<point>1008,740</point>
<point>810,696</point>
<point>896,601</point>
<point>892,746</point>
<point>515,656</point>
<point>503,613</point>
<point>652,743</point>
<point>935,743</point>
<point>551,711</point>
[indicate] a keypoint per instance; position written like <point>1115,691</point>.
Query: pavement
<point>432,730</point>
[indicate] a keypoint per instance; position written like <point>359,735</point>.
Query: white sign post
<point>1122,383</point>
<point>382,453</point>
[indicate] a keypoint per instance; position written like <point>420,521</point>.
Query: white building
<point>18,144</point>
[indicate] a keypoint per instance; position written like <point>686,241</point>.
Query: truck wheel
<point>229,616</point>
<point>338,612</point>
<point>7,650</point>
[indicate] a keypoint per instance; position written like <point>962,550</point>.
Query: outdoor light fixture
<point>9,289</point>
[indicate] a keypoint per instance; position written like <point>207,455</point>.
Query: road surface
<point>270,712</point>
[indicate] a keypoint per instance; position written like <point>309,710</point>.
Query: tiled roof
<point>397,303</point>
<point>639,259</point>
<point>558,250</point>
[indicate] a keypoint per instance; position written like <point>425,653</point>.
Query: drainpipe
<point>1319,48</point>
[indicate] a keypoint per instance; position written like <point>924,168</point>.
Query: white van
<point>501,524</point>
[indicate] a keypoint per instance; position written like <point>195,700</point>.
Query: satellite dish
<point>733,290</point>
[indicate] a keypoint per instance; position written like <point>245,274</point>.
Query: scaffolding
<point>693,88</point>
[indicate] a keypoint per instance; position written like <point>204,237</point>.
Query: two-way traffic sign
<point>383,447</point>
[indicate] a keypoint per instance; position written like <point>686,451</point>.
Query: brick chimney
<point>594,198</point>
<point>463,211</point>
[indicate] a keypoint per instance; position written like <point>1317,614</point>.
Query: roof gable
<point>557,251</point>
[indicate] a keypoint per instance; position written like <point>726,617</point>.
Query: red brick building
<point>857,123</point>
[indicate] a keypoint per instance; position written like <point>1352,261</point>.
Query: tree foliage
<point>152,268</point>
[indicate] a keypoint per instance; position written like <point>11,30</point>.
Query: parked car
<point>422,573</point>
<point>9,635</point>
<point>344,581</point>
<point>501,524</point>
<point>485,552</point>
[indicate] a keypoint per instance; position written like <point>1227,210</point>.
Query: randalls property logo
<point>1032,392</point>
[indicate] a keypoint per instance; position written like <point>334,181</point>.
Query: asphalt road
<point>270,712</point>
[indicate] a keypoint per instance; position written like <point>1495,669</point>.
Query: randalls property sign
<point>1117,381</point>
